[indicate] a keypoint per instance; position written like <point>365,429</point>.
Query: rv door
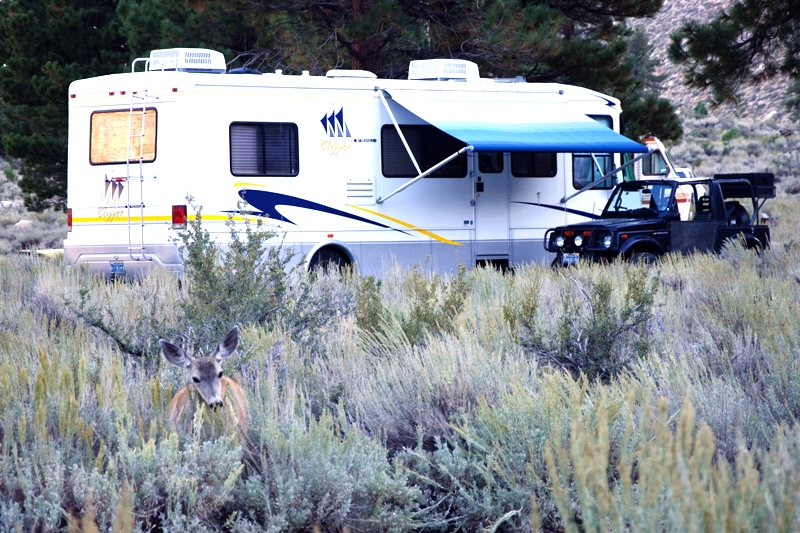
<point>491,180</point>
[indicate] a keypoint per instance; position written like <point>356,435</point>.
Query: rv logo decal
<point>337,133</point>
<point>335,125</point>
<point>110,199</point>
<point>112,192</point>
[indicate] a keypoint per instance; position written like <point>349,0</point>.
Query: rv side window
<point>264,149</point>
<point>586,170</point>
<point>654,165</point>
<point>429,146</point>
<point>110,131</point>
<point>533,164</point>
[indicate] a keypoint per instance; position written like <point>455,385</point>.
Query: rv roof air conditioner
<point>188,60</point>
<point>443,69</point>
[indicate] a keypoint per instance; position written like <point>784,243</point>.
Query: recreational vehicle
<point>443,168</point>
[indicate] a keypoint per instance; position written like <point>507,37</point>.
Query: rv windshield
<point>641,199</point>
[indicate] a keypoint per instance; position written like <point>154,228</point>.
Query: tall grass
<point>372,410</point>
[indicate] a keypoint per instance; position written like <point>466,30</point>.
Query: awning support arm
<point>435,167</point>
<point>397,127</point>
<point>594,184</point>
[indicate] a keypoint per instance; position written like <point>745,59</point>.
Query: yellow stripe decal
<point>409,226</point>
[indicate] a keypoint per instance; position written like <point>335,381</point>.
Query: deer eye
<point>195,379</point>
<point>220,374</point>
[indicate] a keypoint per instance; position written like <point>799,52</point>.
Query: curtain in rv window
<point>264,149</point>
<point>428,144</point>
<point>533,164</point>
<point>584,168</point>
<point>110,131</point>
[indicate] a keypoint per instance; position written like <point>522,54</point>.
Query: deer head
<point>205,372</point>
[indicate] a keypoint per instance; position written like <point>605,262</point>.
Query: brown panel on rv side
<point>110,132</point>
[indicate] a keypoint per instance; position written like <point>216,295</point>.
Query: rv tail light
<point>69,219</point>
<point>330,235</point>
<point>178,217</point>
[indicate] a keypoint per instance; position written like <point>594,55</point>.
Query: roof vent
<point>345,73</point>
<point>443,69</point>
<point>188,60</point>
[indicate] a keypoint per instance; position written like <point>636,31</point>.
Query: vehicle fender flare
<point>338,246</point>
<point>641,243</point>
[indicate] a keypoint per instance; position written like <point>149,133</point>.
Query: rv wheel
<point>328,260</point>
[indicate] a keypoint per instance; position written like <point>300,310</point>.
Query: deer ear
<point>227,345</point>
<point>175,354</point>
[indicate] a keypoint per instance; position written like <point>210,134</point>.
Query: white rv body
<point>207,133</point>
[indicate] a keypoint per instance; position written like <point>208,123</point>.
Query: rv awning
<point>515,126</point>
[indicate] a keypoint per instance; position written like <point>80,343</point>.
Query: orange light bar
<point>569,233</point>
<point>587,233</point>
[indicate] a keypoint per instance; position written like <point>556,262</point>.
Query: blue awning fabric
<point>515,125</point>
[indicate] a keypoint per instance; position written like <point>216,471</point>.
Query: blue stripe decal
<point>562,209</point>
<point>266,202</point>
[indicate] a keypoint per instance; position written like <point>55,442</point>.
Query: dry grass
<point>468,426</point>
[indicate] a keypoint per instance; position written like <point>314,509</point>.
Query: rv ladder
<point>138,108</point>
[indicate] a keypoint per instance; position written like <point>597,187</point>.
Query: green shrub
<point>434,302</point>
<point>730,135</point>
<point>598,333</point>
<point>700,110</point>
<point>245,284</point>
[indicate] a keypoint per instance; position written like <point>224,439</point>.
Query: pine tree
<point>583,42</point>
<point>750,42</point>
<point>45,45</point>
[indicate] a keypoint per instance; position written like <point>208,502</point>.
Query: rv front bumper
<point>116,262</point>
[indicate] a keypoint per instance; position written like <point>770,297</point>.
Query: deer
<point>208,387</point>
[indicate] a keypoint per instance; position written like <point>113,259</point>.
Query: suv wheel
<point>643,258</point>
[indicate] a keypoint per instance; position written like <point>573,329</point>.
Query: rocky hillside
<point>750,137</point>
<point>758,103</point>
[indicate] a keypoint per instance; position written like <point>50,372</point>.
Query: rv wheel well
<point>328,257</point>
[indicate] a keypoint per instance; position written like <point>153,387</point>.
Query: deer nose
<point>215,405</point>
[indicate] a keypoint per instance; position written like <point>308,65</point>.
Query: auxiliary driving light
<point>578,240</point>
<point>607,241</point>
<point>560,241</point>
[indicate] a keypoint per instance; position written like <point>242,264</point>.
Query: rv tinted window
<point>490,162</point>
<point>110,131</point>
<point>533,164</point>
<point>429,146</point>
<point>264,149</point>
